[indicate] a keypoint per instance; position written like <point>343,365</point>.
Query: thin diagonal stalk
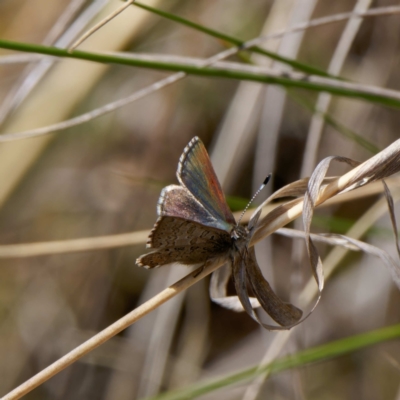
<point>95,28</point>
<point>344,130</point>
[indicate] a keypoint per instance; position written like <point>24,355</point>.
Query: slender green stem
<point>306,82</point>
<point>342,129</point>
<point>237,42</point>
<point>318,353</point>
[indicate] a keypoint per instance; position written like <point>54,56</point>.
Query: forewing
<point>196,173</point>
<point>187,242</point>
<point>177,201</point>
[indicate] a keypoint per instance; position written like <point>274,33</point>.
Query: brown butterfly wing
<point>195,222</point>
<point>184,241</point>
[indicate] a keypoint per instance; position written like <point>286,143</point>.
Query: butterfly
<point>195,225</point>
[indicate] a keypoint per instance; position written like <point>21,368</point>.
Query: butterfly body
<point>195,223</point>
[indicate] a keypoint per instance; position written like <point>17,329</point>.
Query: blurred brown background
<point>104,177</point>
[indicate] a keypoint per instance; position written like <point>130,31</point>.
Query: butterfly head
<point>240,238</point>
<point>239,232</point>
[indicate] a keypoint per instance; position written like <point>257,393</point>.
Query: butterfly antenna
<point>266,180</point>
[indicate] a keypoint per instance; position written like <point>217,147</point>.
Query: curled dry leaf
<point>309,193</point>
<point>334,239</point>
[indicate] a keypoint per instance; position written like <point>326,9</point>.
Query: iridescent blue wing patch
<point>177,201</point>
<point>196,173</point>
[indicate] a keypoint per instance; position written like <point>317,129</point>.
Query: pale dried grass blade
<point>324,99</point>
<point>380,166</point>
<point>330,262</point>
<point>238,128</point>
<point>44,107</point>
<point>337,254</point>
<point>100,24</point>
<point>33,74</point>
<point>390,202</point>
<point>21,58</point>
<point>322,238</point>
<point>160,341</point>
<point>218,291</point>
<point>274,97</point>
<point>294,189</point>
<point>349,243</point>
<point>393,267</point>
<point>312,193</point>
<point>73,245</point>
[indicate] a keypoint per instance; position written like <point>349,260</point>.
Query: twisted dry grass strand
<point>310,290</point>
<point>383,164</point>
<point>180,75</point>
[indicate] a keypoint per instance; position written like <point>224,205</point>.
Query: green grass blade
<point>237,42</point>
<point>352,135</point>
<point>343,130</point>
<point>318,353</point>
<point>392,99</point>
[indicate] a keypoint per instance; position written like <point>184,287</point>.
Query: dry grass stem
<point>100,24</point>
<point>360,227</point>
<point>375,12</point>
<point>21,58</point>
<point>212,60</point>
<point>325,193</point>
<point>310,290</point>
<point>324,99</point>
<point>112,330</point>
<point>74,245</point>
<point>268,73</point>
